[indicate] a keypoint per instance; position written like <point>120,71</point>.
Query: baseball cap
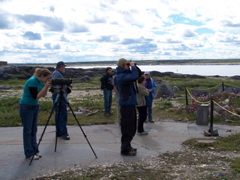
<point>147,72</point>
<point>60,63</point>
<point>122,62</point>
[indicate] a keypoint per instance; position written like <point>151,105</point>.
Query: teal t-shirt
<point>27,98</point>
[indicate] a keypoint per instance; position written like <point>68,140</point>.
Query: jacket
<point>141,96</point>
<point>107,81</point>
<point>153,86</point>
<point>125,84</point>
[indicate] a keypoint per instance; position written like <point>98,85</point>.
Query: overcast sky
<point>100,30</point>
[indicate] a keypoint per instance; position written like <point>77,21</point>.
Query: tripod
<point>60,96</point>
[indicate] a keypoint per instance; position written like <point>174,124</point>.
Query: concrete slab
<point>105,141</point>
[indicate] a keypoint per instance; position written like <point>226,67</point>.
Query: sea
<point>203,70</point>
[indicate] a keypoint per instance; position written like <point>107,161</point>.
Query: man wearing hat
<point>127,74</point>
<point>61,115</point>
<point>151,86</point>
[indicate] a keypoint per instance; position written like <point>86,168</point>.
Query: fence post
<point>222,86</point>
<point>211,118</point>
<point>186,96</point>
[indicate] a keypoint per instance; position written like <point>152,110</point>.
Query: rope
<point>229,85</point>
<point>207,102</point>
<point>226,109</point>
<point>206,88</point>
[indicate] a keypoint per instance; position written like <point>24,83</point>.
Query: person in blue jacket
<point>151,86</point>
<point>127,74</point>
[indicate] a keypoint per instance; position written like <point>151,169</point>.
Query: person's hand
<point>150,90</point>
<point>48,83</point>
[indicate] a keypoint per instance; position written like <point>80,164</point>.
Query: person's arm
<point>154,86</point>
<point>103,81</point>
<point>44,90</point>
<point>115,90</point>
<point>142,91</point>
<point>37,95</point>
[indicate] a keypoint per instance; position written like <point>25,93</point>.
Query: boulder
<point>165,91</point>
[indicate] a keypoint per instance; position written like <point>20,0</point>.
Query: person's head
<point>147,74</point>
<point>123,63</point>
<point>109,70</point>
<point>61,66</point>
<point>141,80</point>
<point>42,74</point>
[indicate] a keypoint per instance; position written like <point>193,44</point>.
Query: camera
<point>63,81</point>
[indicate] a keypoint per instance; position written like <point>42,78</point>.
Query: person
<point>107,87</point>
<point>61,115</point>
<point>127,74</point>
<point>141,106</point>
<point>151,86</point>
<point>35,88</point>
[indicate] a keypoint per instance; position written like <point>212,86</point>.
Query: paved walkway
<point>105,141</point>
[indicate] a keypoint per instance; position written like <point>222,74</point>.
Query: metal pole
<point>186,96</point>
<point>222,86</point>
<point>211,118</point>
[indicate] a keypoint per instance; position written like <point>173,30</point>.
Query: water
<point>204,70</point>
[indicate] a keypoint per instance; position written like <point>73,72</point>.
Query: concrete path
<point>105,141</point>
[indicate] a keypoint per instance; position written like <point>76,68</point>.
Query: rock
<point>165,91</point>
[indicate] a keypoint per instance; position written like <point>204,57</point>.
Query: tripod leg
<point>81,128</point>
<point>42,133</point>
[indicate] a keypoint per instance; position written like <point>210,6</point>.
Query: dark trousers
<point>128,126</point>
<point>142,116</point>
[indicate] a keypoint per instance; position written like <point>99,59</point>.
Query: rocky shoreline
<point>24,72</point>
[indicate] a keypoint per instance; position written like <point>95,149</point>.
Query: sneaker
<point>39,155</point>
<point>34,157</point>
<point>143,133</point>
<point>65,137</point>
<point>129,153</point>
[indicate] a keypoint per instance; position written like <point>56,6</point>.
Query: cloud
<point>108,39</point>
<point>5,22</point>
<point>230,24</point>
<point>49,23</point>
<point>32,36</point>
<point>50,46</point>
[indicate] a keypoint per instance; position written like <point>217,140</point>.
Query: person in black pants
<point>141,106</point>
<point>127,74</point>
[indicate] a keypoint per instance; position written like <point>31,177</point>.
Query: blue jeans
<point>29,116</point>
<point>149,107</point>
<point>61,115</point>
<point>107,100</point>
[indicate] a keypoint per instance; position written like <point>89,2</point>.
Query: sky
<point>48,31</point>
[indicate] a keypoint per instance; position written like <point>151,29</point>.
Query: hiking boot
<point>129,153</point>
<point>151,121</point>
<point>143,133</point>
<point>133,149</point>
<point>107,114</point>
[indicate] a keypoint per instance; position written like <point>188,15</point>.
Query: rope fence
<point>210,102</point>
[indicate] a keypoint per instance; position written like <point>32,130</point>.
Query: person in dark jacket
<point>107,87</point>
<point>61,115</point>
<point>127,74</point>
